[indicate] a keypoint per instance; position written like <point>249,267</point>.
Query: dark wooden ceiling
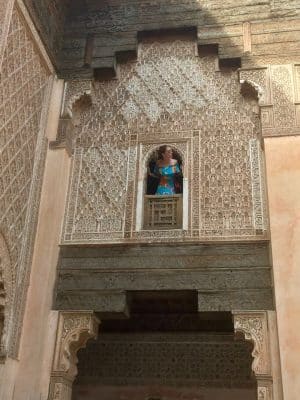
<point>86,35</point>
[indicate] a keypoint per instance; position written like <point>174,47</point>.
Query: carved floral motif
<point>254,326</point>
<point>74,90</point>
<point>278,89</point>
<point>74,330</point>
<point>168,95</point>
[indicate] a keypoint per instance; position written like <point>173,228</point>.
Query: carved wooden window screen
<point>163,212</point>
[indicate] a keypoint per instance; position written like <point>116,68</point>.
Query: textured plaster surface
<point>39,327</point>
<point>283,176</point>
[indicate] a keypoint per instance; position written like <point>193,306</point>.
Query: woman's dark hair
<point>152,180</point>
<point>162,150</point>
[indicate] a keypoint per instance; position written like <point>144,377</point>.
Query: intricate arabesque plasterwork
<point>74,90</point>
<point>254,326</point>
<point>259,212</point>
<point>6,7</point>
<point>259,79</point>
<point>168,96</point>
<point>74,330</point>
<point>151,97</point>
<point>283,98</point>
<point>279,84</point>
<point>23,87</point>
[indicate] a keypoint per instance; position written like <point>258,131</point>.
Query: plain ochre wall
<point>283,182</point>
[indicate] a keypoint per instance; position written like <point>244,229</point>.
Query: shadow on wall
<point>98,34</point>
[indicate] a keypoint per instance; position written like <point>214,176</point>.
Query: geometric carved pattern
<point>171,358</point>
<point>254,326</point>
<point>163,212</point>
<point>279,90</point>
<point>6,7</point>
<point>74,90</point>
<point>23,83</point>
<point>283,98</point>
<point>258,78</point>
<point>169,95</point>
<point>259,214</point>
<point>74,330</point>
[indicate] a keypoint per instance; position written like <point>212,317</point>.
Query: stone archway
<point>74,329</point>
<point>166,350</point>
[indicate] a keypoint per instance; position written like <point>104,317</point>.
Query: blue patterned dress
<point>166,184</point>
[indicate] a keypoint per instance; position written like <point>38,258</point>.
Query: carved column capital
<point>75,328</point>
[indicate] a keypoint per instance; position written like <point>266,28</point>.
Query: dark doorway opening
<point>166,350</point>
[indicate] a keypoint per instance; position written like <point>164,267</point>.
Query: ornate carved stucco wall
<point>171,95</point>
<point>24,91</point>
<point>280,96</point>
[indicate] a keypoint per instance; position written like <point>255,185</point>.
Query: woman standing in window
<point>168,171</point>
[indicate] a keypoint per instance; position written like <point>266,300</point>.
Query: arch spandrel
<point>74,329</point>
<point>253,325</point>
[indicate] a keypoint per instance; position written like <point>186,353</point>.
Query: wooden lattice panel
<point>163,212</point>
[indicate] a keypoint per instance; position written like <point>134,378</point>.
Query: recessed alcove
<point>166,350</point>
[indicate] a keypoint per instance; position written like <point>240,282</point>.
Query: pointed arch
<point>147,151</point>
